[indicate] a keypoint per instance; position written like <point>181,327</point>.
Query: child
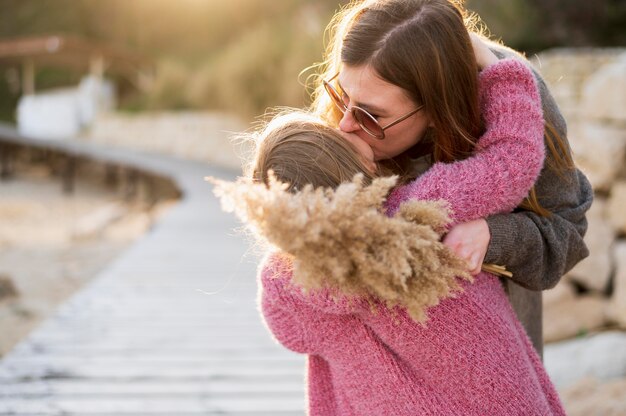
<point>472,356</point>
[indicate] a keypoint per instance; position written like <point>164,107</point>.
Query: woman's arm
<point>555,243</point>
<point>508,158</point>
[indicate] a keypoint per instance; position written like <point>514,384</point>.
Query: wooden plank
<point>146,387</point>
<point>28,347</point>
<point>143,373</point>
<point>150,407</point>
<point>182,360</point>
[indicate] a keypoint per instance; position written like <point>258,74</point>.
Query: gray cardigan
<point>536,249</point>
<point>539,250</point>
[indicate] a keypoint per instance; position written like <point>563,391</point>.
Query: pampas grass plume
<point>342,239</point>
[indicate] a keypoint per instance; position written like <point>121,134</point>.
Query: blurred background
<point>243,56</point>
<point>178,78</point>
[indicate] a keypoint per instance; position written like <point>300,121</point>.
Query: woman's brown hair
<point>424,47</point>
<point>440,74</point>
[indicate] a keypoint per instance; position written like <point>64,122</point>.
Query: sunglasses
<point>366,121</point>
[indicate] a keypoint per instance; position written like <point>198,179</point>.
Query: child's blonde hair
<point>301,150</point>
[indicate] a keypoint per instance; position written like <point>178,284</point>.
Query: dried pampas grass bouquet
<point>342,239</point>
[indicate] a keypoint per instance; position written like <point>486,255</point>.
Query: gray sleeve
<point>539,250</point>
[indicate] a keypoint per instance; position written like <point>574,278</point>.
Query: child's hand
<point>470,240</point>
<point>364,150</point>
<point>484,56</point>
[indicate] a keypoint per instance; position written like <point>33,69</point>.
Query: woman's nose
<point>347,123</point>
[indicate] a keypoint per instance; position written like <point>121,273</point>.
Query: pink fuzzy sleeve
<point>288,310</point>
<point>508,158</point>
<point>295,318</point>
<point>286,316</point>
<point>321,394</point>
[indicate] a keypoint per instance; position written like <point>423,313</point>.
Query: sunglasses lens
<point>334,95</point>
<point>368,123</point>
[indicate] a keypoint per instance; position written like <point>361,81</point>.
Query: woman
<point>472,356</point>
<point>389,58</point>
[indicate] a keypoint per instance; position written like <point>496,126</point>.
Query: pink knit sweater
<point>472,357</point>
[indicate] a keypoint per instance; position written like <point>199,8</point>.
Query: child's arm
<point>508,158</point>
<point>295,318</point>
<point>556,241</point>
<point>285,316</point>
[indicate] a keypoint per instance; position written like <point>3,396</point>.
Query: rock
<point>602,356</point>
<point>7,288</point>
<point>561,292</point>
<point>591,397</point>
<point>617,307</point>
<point>572,317</point>
<point>594,272</point>
<point>604,92</point>
<point>599,150</point>
<point>616,207</point>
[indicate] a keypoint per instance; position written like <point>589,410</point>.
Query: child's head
<point>301,150</point>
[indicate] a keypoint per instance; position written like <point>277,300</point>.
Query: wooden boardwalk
<point>170,328</point>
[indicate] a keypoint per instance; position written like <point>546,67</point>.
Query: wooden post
<point>132,179</point>
<point>28,77</point>
<point>6,167</point>
<point>68,174</point>
<point>110,175</point>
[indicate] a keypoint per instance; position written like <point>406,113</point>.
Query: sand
<point>52,244</point>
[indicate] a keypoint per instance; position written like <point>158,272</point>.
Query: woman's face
<point>362,87</point>
<point>364,150</point>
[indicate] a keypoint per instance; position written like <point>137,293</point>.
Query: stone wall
<point>194,135</point>
<point>590,87</point>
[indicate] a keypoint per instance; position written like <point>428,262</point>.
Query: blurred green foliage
<point>535,25</point>
<point>246,55</point>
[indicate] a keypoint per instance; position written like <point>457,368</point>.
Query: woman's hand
<point>484,56</point>
<point>470,240</point>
